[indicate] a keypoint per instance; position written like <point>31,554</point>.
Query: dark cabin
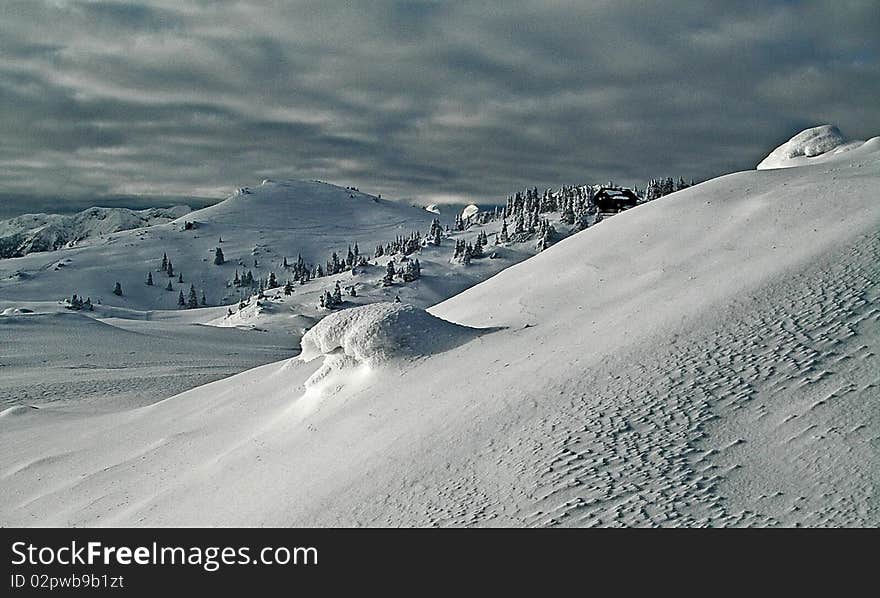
<point>613,200</point>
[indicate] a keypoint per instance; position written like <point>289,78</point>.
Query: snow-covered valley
<point>708,358</point>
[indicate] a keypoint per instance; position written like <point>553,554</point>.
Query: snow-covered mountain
<point>265,224</point>
<point>47,232</point>
<point>709,358</point>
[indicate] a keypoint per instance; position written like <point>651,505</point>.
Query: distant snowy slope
<point>818,144</point>
<point>46,232</point>
<point>707,359</point>
<point>328,212</point>
<point>259,228</point>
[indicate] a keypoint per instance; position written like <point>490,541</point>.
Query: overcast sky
<point>428,100</point>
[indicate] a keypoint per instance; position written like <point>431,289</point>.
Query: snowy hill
<point>47,232</point>
<point>265,224</point>
<point>709,358</point>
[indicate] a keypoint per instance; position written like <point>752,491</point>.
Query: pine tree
<point>388,279</point>
<point>149,279</point>
<point>87,305</point>
<point>181,302</point>
<point>288,288</point>
<point>117,290</point>
<point>193,298</point>
<point>219,260</point>
<point>477,250</point>
<point>164,262</point>
<point>170,269</point>
<point>204,299</point>
<point>273,282</point>
<point>236,281</point>
<point>168,287</point>
<point>180,278</point>
<point>467,254</point>
<point>568,214</point>
<point>337,294</point>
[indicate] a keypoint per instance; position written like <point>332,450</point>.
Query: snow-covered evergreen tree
<point>193,301</point>
<point>388,279</point>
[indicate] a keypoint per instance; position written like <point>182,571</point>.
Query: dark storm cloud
<point>416,98</point>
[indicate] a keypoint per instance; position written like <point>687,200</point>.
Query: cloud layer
<point>417,99</point>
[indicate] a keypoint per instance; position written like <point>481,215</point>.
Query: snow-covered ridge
<point>30,233</point>
<point>818,144</point>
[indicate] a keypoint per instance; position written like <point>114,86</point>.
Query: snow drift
<point>377,333</point>
<point>811,146</point>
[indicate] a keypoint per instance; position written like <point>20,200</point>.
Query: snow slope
<point>817,144</point>
<point>267,223</point>
<point>67,360</point>
<point>708,358</point>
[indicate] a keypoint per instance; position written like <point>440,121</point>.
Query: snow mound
<point>376,333</point>
<point>808,145</point>
<point>469,211</point>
